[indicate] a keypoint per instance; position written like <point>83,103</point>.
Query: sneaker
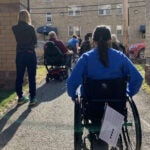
<point>23,100</point>
<point>33,102</point>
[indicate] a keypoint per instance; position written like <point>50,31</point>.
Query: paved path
<point>49,126</point>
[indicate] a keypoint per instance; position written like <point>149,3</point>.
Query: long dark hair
<point>102,35</point>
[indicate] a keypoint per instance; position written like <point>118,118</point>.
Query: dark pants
<point>26,60</point>
<point>68,60</point>
<point>95,112</point>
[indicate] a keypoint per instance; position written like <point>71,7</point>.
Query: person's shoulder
<point>14,27</point>
<point>117,55</point>
<point>60,41</point>
<point>115,51</point>
<point>90,52</point>
<point>30,26</point>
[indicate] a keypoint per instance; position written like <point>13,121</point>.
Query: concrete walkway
<point>49,126</point>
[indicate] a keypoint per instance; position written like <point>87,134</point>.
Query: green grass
<point>7,97</point>
<point>145,86</point>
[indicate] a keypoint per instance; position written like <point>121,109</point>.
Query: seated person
<point>102,62</point>
<point>61,46</point>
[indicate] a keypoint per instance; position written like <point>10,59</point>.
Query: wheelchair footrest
<point>127,124</point>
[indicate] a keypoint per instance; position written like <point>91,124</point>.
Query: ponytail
<point>103,52</point>
<point>102,35</point>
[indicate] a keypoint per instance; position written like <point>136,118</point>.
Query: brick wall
<point>147,51</point>
<point>8,17</point>
<point>88,19</point>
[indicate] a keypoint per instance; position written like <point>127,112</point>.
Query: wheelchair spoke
<point>132,127</point>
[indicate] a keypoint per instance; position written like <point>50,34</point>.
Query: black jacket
<point>118,46</point>
<point>25,36</point>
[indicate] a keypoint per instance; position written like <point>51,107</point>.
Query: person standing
<point>25,56</point>
<point>86,44</point>
<point>116,44</point>
<point>80,40</point>
<point>73,44</point>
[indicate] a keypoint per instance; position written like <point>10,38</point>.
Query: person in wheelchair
<point>67,53</point>
<point>102,63</point>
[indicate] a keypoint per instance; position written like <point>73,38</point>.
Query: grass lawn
<point>145,86</point>
<point>7,97</point>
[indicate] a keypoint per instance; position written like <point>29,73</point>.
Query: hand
<point>76,100</point>
<point>70,52</point>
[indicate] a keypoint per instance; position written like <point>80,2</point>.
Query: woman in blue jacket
<point>103,62</point>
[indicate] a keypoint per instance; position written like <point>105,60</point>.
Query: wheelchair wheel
<point>132,133</point>
<point>47,78</point>
<point>77,127</point>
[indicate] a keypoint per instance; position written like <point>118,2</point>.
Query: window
<point>119,9</point>
<point>104,10</point>
<point>48,0</point>
<point>49,18</point>
<point>74,11</point>
<point>119,30</point>
<point>74,30</point>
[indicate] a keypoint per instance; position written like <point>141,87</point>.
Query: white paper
<point>111,126</point>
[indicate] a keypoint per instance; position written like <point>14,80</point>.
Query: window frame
<point>104,9</point>
<point>119,9</point>
<point>75,30</point>
<point>48,16</point>
<point>74,10</point>
<point>118,30</point>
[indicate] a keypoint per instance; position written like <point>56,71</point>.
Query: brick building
<point>147,54</point>
<point>8,16</point>
<point>70,16</point>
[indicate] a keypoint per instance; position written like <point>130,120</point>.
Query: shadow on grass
<point>5,94</point>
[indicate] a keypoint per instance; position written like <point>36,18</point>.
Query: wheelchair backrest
<point>52,54</point>
<point>105,90</point>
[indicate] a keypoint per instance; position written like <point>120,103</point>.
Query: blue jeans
<point>26,60</point>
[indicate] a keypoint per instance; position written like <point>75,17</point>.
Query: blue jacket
<point>90,66</point>
<point>72,43</point>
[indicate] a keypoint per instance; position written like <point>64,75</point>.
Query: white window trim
<point>102,7</point>
<point>117,29</point>
<point>74,31</point>
<point>48,14</point>
<point>119,6</point>
<point>74,9</point>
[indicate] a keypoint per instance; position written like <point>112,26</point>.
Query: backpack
<point>121,48</point>
<point>53,55</point>
<point>85,46</point>
<point>118,46</point>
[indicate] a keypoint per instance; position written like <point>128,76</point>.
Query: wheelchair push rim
<point>132,132</point>
<point>77,127</point>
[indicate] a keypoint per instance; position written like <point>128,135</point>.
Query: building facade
<point>147,52</point>
<point>8,17</point>
<point>68,17</point>
<point>77,17</point>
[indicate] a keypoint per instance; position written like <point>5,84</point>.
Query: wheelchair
<point>88,114</point>
<point>55,62</point>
